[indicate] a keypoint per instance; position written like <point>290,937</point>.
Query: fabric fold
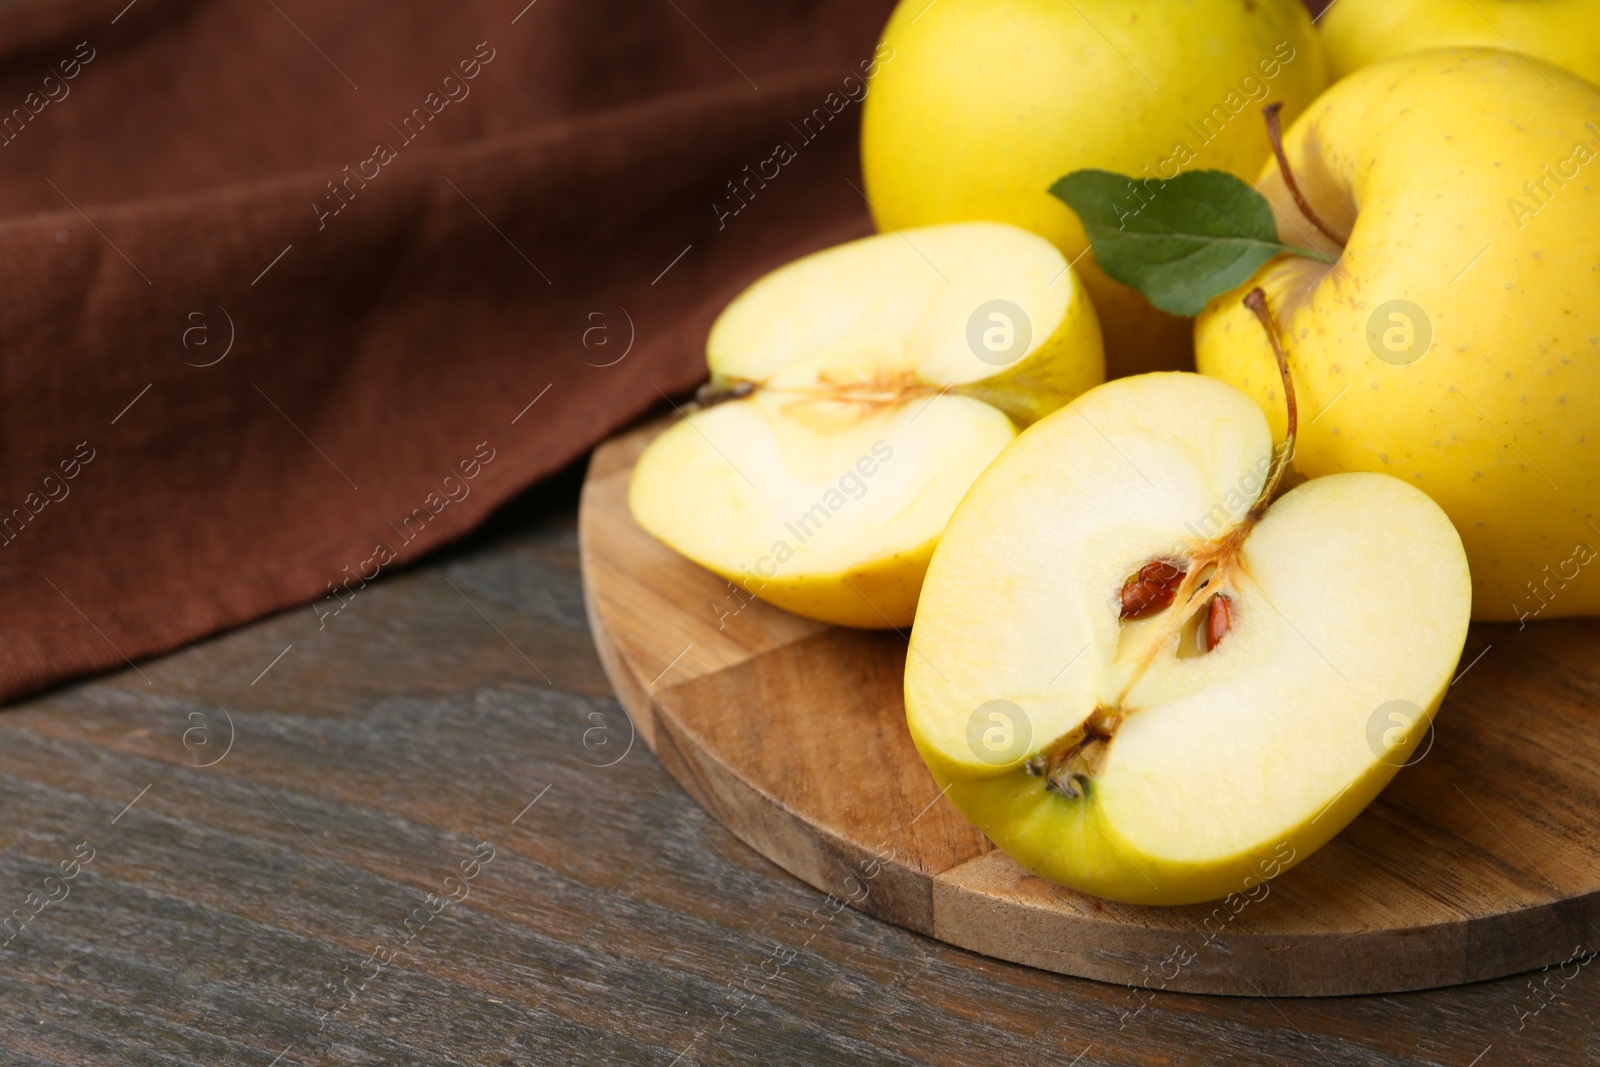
<point>271,360</point>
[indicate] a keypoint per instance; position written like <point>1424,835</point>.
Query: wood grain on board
<point>1480,859</point>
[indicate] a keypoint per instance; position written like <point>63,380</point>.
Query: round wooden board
<point>1478,861</point>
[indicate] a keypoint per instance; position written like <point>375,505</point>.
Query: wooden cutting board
<point>1479,860</point>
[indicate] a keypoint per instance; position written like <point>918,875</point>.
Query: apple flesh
<point>1456,342</point>
<point>856,395</point>
<point>1164,749</point>
<point>978,106</point>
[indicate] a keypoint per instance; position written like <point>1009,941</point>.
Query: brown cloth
<point>295,291</point>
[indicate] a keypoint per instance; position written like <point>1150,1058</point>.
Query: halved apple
<point>1143,682</point>
<point>855,394</point>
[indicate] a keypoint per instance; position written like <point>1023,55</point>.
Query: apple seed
<point>1151,589</point>
<point>1219,620</point>
<point>1069,763</point>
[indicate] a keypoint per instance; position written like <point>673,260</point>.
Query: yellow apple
<point>1563,32</point>
<point>977,106</point>
<point>854,396</point>
<point>1114,751</point>
<point>1456,342</point>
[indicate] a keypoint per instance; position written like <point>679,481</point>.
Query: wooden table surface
<point>416,834</point>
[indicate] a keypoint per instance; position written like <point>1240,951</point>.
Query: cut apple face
<point>1142,681</point>
<point>855,395</point>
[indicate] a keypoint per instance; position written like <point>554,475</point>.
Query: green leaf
<point>1180,242</point>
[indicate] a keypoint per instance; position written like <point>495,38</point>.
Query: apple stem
<point>1256,301</point>
<point>712,393</point>
<point>1275,135</point>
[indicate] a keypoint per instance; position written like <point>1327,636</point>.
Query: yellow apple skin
<point>1069,362</point>
<point>1085,852</point>
<point>879,594</point>
<point>978,106</point>
<point>1499,421</point>
<point>1563,32</point>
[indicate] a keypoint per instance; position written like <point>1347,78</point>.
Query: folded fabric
<point>296,292</point>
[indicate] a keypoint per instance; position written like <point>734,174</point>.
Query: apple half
<point>1143,680</point>
<point>855,394</point>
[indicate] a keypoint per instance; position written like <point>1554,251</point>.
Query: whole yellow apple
<point>1455,343</point>
<point>1563,32</point>
<point>978,106</point>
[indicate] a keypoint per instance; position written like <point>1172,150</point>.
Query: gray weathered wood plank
<point>613,925</point>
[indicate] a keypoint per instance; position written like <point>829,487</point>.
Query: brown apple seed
<point>1152,589</point>
<point>1219,619</point>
